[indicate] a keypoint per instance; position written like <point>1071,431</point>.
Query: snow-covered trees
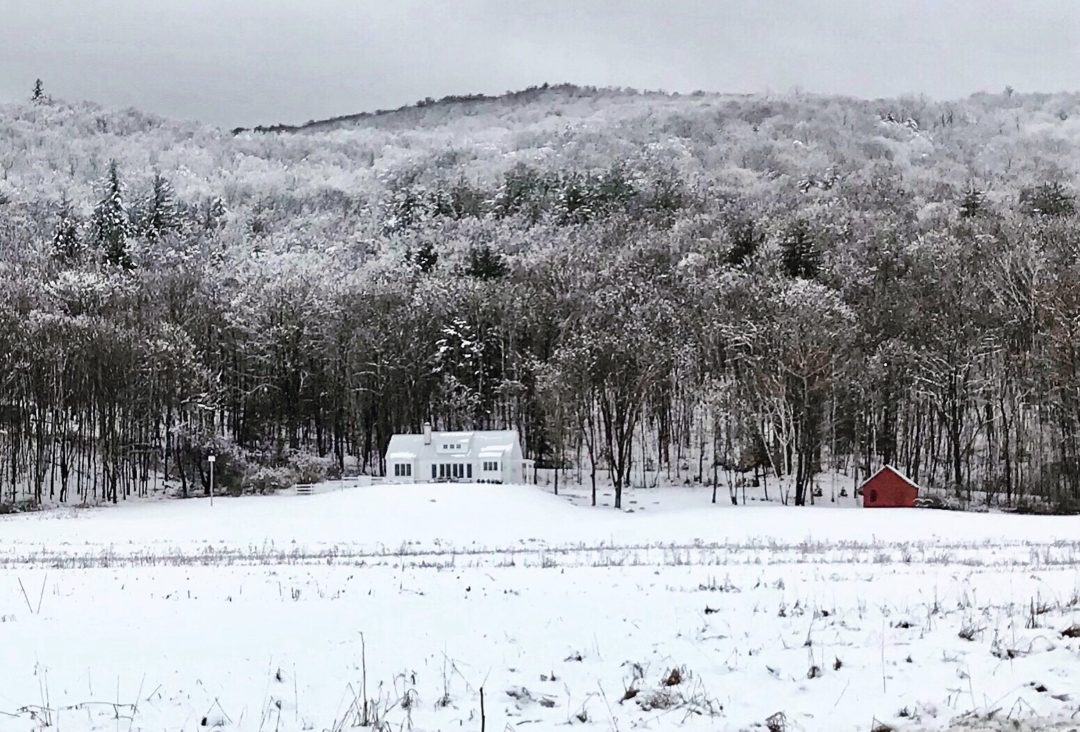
<point>619,343</point>
<point>66,242</point>
<point>633,281</point>
<point>110,226</point>
<point>158,216</point>
<point>1048,199</point>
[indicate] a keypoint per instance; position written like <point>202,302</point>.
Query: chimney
<point>427,433</point>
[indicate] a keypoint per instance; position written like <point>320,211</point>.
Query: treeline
<point>629,313</point>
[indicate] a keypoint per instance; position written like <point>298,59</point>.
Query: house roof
<point>896,472</point>
<point>482,443</point>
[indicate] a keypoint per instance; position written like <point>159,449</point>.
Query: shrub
<point>195,444</point>
<point>312,468</point>
<point>270,480</point>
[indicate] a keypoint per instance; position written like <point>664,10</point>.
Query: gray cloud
<point>235,62</point>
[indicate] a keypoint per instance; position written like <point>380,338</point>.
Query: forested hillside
<point>707,283</point>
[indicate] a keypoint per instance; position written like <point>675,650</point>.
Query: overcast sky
<point>245,62</point>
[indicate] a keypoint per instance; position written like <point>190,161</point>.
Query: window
<point>491,466</point>
<point>468,470</point>
<point>406,470</point>
<point>433,468</point>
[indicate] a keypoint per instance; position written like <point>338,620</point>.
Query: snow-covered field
<point>399,603</point>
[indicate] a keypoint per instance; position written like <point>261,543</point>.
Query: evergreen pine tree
<point>972,202</point>
<point>213,214</point>
<point>110,226</point>
<point>800,256</point>
<point>1048,199</point>
<point>38,96</point>
<point>745,241</point>
<point>485,264</point>
<point>160,216</point>
<point>426,257</point>
<point>66,246</point>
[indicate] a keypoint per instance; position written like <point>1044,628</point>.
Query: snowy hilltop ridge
<point>712,288</point>
<point>759,145</point>
<point>420,113</point>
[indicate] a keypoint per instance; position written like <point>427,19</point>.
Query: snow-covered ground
<point>288,612</point>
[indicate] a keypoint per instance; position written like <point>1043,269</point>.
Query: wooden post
<point>212,459</point>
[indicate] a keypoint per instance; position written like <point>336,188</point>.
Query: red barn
<point>889,488</point>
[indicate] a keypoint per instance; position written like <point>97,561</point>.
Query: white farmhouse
<point>489,456</point>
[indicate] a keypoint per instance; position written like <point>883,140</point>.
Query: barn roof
<point>894,471</point>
